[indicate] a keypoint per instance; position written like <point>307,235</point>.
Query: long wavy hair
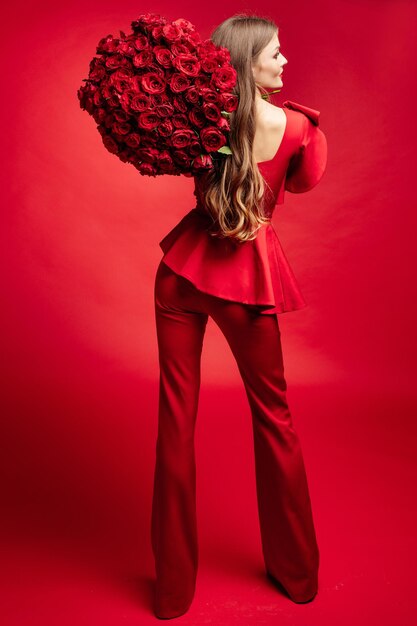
<point>235,188</point>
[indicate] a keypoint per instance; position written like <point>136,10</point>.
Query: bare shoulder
<point>270,116</point>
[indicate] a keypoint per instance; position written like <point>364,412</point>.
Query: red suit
<point>243,288</point>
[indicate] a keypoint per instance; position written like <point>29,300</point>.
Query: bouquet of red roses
<point>161,97</point>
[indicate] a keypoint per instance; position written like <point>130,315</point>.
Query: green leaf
<point>225,150</point>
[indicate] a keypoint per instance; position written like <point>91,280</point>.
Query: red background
<point>79,245</point>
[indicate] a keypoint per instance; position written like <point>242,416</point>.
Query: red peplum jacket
<point>257,271</point>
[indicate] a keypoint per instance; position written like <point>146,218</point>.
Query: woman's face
<point>269,65</point>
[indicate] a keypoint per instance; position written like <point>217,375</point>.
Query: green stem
<point>266,95</point>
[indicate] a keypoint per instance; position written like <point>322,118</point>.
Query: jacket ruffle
<point>308,164</point>
<point>255,272</point>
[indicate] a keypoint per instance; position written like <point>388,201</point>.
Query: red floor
<point>77,549</point>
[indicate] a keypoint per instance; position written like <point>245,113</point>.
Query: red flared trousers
<point>289,544</point>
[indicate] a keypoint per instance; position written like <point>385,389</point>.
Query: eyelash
<point>277,54</point>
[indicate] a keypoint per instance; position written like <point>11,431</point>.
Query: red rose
<point>163,56</point>
<point>141,42</point>
<point>123,73</point>
<point>209,63</point>
<point>165,109</point>
<point>201,162</point>
<point>202,81</point>
<point>212,139</point>
<point>126,48</point>
<point>110,144</point>
<point>194,148</point>
<point>150,142</point>
<point>197,117</point>
<point>229,101</point>
<point>121,116</point>
<point>223,55</point>
<point>112,102</point>
<point>114,61</point>
<point>144,58</point>
<point>86,102</point>
<point>149,154</point>
<point>179,48</point>
<point>99,115</point>
<point>124,156</point>
<point>139,102</point>
<point>192,95</point>
<point>183,24</point>
<point>106,92</point>
<point>157,34</point>
<point>148,120</point>
<point>180,104</point>
<point>97,71</point>
<point>171,32</point>
<point>166,128</point>
<point>152,83</point>
<point>194,39</point>
<point>133,140</point>
<point>180,120</point>
<point>208,94</point>
<point>146,21</point>
<point>121,128</point>
<point>135,84</point>
<point>158,98</point>
<point>146,169</point>
<point>165,160</point>
<point>98,99</point>
<point>179,82</point>
<point>121,79</point>
<point>182,138</point>
<point>211,111</point>
<point>107,44</point>
<point>223,124</point>
<point>182,158</point>
<point>109,120</point>
<point>187,64</point>
<point>207,47</point>
<point>224,77</point>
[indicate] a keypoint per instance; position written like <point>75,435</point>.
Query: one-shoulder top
<point>254,272</point>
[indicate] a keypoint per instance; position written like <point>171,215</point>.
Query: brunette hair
<point>235,188</point>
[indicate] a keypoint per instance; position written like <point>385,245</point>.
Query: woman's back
<point>270,128</point>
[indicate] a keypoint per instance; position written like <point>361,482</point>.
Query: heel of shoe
<point>296,599</point>
<point>171,614</point>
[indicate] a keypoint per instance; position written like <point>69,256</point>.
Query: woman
<point>224,260</point>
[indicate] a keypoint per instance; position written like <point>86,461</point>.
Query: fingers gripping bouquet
<point>161,97</point>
